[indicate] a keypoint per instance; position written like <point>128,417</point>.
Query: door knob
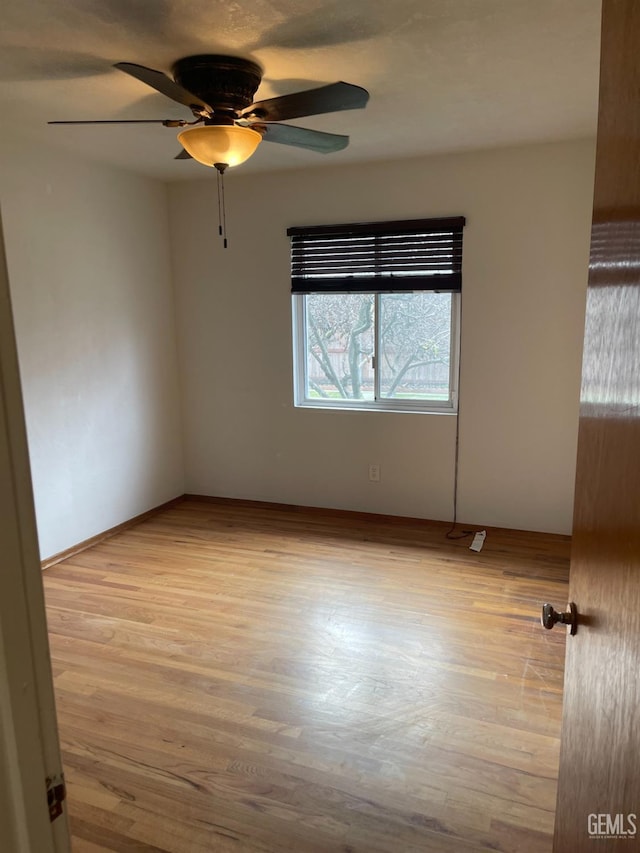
<point>551,617</point>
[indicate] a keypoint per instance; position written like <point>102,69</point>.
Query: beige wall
<point>89,269</point>
<point>525,264</point>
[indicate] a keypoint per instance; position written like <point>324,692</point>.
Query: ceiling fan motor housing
<point>223,82</point>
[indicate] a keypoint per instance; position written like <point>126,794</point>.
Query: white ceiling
<point>443,74</point>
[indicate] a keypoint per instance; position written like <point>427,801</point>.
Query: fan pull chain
<point>222,211</point>
<point>219,205</point>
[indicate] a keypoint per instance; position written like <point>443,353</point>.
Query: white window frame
<point>380,404</point>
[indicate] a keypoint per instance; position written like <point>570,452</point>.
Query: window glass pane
<point>340,336</point>
<point>415,345</point>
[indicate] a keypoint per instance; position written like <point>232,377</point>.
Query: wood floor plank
<point>264,679</point>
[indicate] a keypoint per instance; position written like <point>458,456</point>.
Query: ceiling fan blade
<point>163,84</point>
<point>303,137</point>
<point>326,99</point>
<point>183,155</point>
<point>167,122</point>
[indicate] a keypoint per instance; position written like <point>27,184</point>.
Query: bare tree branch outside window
<point>414,345</point>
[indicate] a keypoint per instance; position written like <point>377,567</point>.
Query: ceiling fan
<point>227,126</point>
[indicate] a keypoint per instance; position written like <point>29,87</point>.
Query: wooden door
<point>599,785</point>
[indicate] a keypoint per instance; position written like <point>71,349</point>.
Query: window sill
<point>393,406</point>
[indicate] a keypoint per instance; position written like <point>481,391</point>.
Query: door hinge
<point>56,795</point>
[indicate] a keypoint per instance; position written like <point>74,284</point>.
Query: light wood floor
<point>236,678</point>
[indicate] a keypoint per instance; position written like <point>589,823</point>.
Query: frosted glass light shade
<point>215,143</point>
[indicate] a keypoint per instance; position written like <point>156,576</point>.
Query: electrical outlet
<point>374,473</point>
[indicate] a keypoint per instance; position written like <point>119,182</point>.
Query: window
<point>376,309</point>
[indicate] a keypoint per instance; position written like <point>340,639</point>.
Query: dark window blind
<point>378,257</point>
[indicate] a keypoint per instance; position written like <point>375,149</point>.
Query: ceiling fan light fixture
<point>213,143</point>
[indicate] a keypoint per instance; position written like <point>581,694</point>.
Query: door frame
<point>29,746</point>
